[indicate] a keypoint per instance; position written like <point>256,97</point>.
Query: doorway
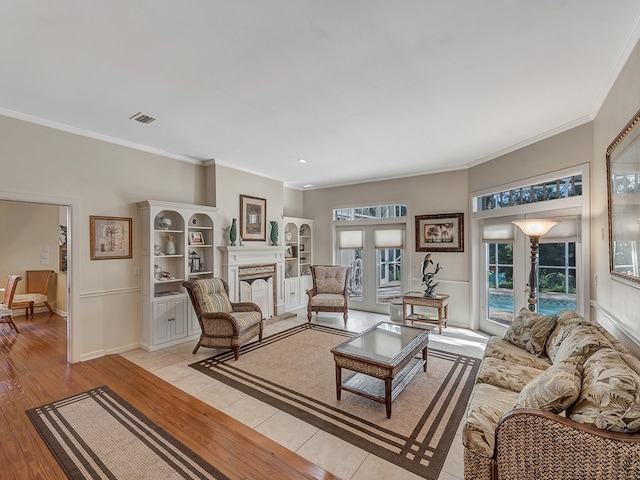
<point>38,236</point>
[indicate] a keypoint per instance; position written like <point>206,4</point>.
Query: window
<point>369,213</point>
<point>570,186</point>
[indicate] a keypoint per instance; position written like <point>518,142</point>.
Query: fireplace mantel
<point>239,256</point>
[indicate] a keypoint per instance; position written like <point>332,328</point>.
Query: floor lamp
<point>534,229</point>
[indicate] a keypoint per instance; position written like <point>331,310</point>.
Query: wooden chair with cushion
<point>224,324</point>
<point>36,293</point>
<point>330,290</point>
<point>7,302</point>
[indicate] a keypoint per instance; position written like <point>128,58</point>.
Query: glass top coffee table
<point>383,360</point>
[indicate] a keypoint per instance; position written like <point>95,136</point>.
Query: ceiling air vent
<point>142,118</point>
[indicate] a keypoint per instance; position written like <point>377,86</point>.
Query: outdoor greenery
<point>556,267</point>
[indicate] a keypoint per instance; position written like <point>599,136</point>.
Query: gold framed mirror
<point>623,197</point>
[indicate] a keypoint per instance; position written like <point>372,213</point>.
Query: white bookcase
<point>298,240</point>
<point>167,315</point>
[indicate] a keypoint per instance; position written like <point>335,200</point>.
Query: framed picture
<point>63,258</point>
<point>440,233</point>
<point>110,237</point>
<point>288,253</point>
<point>196,238</point>
<point>253,225</point>
<point>623,194</point>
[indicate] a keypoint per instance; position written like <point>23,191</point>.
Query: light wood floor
<point>34,371</point>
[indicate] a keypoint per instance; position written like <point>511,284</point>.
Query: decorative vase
<point>164,223</point>
<point>233,233</point>
<point>274,232</point>
<point>170,248</point>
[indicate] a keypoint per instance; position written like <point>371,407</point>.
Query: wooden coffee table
<point>383,359</point>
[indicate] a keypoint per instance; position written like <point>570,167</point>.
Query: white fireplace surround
<point>233,258</point>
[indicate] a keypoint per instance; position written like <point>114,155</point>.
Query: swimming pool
<point>547,304</point>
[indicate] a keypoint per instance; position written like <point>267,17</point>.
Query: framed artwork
<point>623,201</point>
<point>253,225</point>
<point>63,258</point>
<point>196,238</point>
<point>110,237</point>
<point>440,233</point>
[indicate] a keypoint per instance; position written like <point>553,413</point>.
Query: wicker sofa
<point>556,398</point>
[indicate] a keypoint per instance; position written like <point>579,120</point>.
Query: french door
<point>377,259</point>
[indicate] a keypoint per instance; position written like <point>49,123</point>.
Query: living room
<point>48,165</point>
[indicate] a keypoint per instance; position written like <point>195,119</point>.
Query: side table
<point>439,302</point>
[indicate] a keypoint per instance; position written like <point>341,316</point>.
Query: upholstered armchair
<point>224,324</point>
<point>329,292</point>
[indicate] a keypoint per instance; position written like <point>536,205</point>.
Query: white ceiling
<point>362,90</point>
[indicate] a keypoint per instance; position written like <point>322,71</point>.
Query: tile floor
<point>333,454</point>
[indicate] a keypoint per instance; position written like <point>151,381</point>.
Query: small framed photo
<point>110,237</point>
<point>288,253</point>
<point>63,258</point>
<point>253,224</point>
<point>440,232</point>
<point>196,238</point>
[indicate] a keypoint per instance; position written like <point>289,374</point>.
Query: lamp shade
<point>535,227</point>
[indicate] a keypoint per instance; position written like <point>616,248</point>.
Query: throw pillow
<point>530,330</point>
<point>555,390</point>
<point>610,396</point>
<point>213,297</point>
<point>580,341</point>
<point>567,320</point>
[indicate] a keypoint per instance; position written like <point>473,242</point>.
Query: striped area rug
<point>294,371</point>
<point>97,435</point>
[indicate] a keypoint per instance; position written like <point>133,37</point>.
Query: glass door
<point>376,256</point>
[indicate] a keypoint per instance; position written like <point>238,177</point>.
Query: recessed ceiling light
<point>302,160</point>
<point>308,185</point>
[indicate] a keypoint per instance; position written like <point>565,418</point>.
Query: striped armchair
<point>224,324</point>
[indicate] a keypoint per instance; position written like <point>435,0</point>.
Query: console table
<point>439,302</point>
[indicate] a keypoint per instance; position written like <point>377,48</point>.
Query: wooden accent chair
<point>224,324</point>
<point>37,292</point>
<point>330,290</point>
<point>7,302</point>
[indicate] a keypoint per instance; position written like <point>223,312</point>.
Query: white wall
<point>98,178</point>
<point>230,184</point>
<point>615,303</point>
<point>424,194</point>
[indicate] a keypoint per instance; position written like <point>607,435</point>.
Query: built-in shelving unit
<point>298,241</point>
<point>178,244</point>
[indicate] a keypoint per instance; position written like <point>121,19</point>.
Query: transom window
<point>370,213</point>
<point>565,187</point>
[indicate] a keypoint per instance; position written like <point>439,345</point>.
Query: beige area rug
<point>99,435</point>
<point>294,371</point>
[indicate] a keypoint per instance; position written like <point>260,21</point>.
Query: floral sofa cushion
<point>507,375</point>
<point>567,319</point>
<point>610,396</point>
<point>581,341</point>
<point>487,404</point>
<point>530,331</point>
<point>498,347</point>
<point>555,389</point>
